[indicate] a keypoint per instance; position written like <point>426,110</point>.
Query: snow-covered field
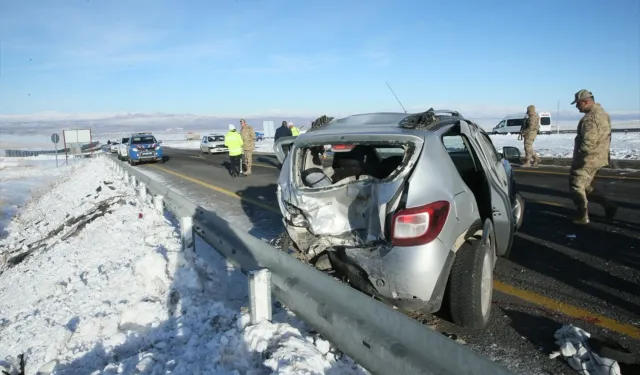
<point>93,281</point>
<point>22,178</point>
<point>623,146</point>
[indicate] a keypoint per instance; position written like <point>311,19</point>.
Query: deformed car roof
<point>430,120</point>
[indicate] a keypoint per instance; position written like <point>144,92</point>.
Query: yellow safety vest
<point>294,131</point>
<point>233,141</point>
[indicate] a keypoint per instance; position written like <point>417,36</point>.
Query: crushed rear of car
<point>395,212</point>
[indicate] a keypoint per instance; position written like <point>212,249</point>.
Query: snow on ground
<point>93,281</point>
<point>22,178</point>
<point>623,146</point>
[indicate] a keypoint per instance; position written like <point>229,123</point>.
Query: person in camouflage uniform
<point>590,153</point>
<point>249,144</point>
<point>529,132</point>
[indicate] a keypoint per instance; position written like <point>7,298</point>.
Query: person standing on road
<point>249,144</point>
<point>283,131</point>
<point>591,151</point>
<point>529,132</point>
<point>233,141</point>
<point>294,131</point>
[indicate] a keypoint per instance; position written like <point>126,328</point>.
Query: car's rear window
<point>545,120</point>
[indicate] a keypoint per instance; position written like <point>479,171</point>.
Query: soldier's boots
<point>610,209</point>
<point>582,217</point>
<point>536,160</point>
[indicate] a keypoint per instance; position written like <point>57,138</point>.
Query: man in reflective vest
<point>233,141</point>
<point>294,131</point>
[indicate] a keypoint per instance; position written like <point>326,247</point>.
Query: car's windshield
<point>217,138</point>
<point>125,140</point>
<point>143,140</point>
<point>545,120</point>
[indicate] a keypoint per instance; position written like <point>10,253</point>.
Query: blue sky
<point>241,57</point>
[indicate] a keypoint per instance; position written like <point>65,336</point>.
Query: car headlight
<point>297,217</point>
<point>157,148</point>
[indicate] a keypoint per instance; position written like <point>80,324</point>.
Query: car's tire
<point>519,210</point>
<point>471,284</point>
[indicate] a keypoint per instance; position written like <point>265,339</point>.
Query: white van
<point>513,123</point>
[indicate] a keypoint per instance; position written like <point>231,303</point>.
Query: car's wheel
<point>131,162</point>
<point>471,284</point>
<point>518,210</point>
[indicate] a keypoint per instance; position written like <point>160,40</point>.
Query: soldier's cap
<point>582,94</point>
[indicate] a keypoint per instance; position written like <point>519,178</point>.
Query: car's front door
<point>282,146</point>
<point>503,221</point>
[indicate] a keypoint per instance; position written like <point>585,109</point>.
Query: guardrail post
<point>186,235</point>
<point>143,191</point>
<point>158,203</point>
<point>260,295</point>
<point>133,180</point>
<point>125,176</point>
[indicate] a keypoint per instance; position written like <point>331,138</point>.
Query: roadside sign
<point>55,138</point>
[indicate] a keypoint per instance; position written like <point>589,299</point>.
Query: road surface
<point>558,272</point>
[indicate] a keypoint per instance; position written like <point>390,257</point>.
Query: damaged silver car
<point>410,208</point>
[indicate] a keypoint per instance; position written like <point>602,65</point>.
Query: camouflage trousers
<point>248,160</point>
<point>528,151</point>
<point>582,189</point>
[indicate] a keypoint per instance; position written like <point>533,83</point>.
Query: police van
<point>513,123</point>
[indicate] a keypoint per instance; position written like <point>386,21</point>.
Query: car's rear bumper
<point>412,278</point>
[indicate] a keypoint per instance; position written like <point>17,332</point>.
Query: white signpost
<point>267,128</point>
<point>55,138</point>
<point>74,140</point>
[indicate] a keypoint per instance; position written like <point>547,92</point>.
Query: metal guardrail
<point>29,153</point>
<point>379,338</point>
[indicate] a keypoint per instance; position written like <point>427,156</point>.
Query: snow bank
<point>20,179</point>
<point>93,281</point>
<point>623,146</point>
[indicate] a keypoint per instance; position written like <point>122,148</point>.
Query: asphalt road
<point>558,272</point>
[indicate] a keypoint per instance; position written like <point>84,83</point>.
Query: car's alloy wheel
<point>486,285</point>
<point>518,210</point>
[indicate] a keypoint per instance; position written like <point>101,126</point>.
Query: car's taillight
<point>341,148</point>
<point>419,225</point>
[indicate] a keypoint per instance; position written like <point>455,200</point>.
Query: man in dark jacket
<point>282,131</point>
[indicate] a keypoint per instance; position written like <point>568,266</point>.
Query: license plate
<point>146,153</point>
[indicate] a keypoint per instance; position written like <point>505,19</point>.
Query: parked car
<point>410,208</point>
<point>123,149</point>
<point>213,144</point>
<point>143,147</point>
<point>259,136</point>
<point>113,147</point>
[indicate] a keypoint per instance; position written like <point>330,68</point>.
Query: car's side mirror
<point>511,153</point>
<point>159,142</point>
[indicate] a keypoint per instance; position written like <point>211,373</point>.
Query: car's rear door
<point>503,221</point>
